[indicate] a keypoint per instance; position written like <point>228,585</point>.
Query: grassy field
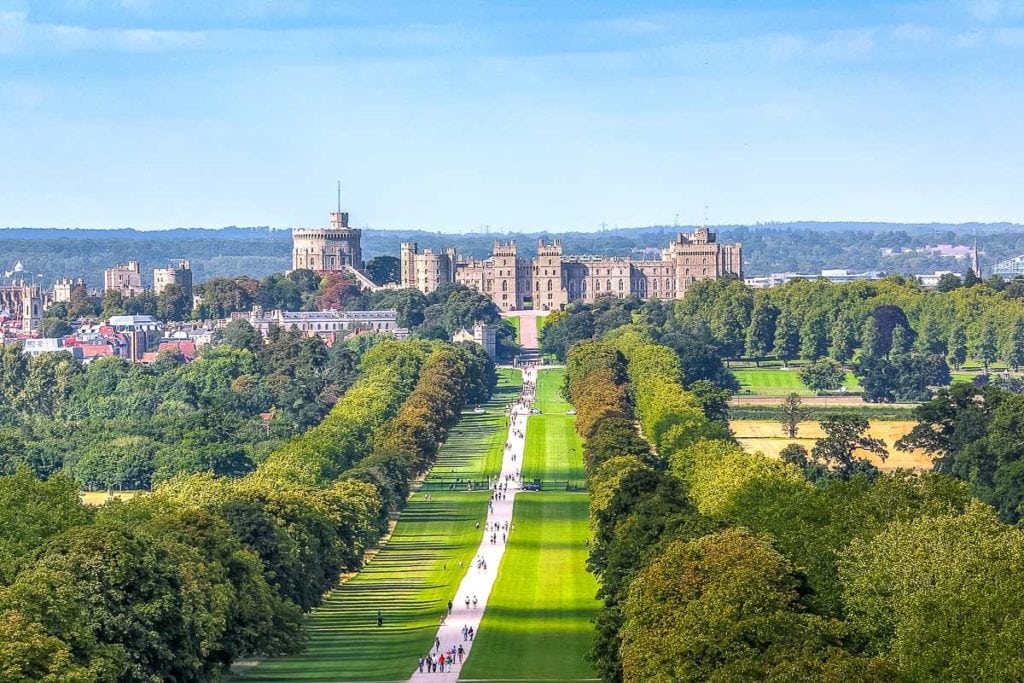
<point>766,436</point>
<point>515,324</point>
<point>537,624</point>
<point>552,435</point>
<point>779,382</point>
<point>411,578</point>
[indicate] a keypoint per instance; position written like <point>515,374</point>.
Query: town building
<point>553,279</point>
<point>481,334</point>
<point>21,305</point>
<point>142,333</point>
<point>931,280</point>
<point>837,275</point>
<point>63,288</point>
<point>178,272</point>
<point>328,324</point>
<point>125,278</point>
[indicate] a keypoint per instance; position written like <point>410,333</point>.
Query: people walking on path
<point>475,586</point>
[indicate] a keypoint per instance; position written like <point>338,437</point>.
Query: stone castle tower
<point>330,249</point>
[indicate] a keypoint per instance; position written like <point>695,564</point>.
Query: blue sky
<point>520,115</point>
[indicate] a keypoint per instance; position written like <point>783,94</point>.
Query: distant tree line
<point>803,247</point>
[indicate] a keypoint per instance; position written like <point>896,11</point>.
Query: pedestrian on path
<point>474,602</point>
<point>421,664</point>
<point>449,607</point>
<point>467,602</point>
<point>380,618</point>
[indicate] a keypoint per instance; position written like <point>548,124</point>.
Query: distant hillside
<point>773,247</point>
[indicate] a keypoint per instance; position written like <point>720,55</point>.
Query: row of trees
<point>719,564</point>
<point>178,584</point>
<point>889,319</point>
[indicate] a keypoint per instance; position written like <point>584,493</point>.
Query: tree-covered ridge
<point>717,564</point>
<point>804,247</point>
<point>177,584</point>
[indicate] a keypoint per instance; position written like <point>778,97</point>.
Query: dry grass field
<point>766,436</point>
<point>100,497</point>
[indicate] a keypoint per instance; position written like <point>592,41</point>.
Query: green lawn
<point>515,324</point>
<point>552,435</point>
<point>542,320</point>
<point>538,619</point>
<point>537,623</point>
<point>779,382</point>
<point>408,580</point>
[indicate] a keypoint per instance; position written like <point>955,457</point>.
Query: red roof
<point>96,350</point>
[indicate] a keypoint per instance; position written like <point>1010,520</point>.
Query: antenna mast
<point>339,196</point>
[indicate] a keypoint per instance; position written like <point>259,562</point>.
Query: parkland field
<point>780,382</point>
<point>538,620</point>
<point>413,576</point>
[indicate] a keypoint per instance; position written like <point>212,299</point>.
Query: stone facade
<point>178,272</point>
<point>125,278</point>
<point>325,250</point>
<point>553,279</point>
<point>481,334</point>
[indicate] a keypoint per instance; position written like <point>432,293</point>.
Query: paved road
<point>478,582</point>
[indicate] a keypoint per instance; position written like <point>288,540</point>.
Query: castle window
<point>549,286</point>
<point>607,285</point>
<point>504,286</point>
<point>597,285</point>
<point>655,284</point>
<point>620,284</point>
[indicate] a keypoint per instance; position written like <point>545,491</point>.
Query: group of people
<point>441,662</point>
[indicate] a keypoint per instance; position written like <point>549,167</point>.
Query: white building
<point>327,323</point>
<point>484,335</point>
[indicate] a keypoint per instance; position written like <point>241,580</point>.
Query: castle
<point>553,279</point>
<point>332,249</point>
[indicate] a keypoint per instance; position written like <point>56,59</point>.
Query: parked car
<point>571,411</point>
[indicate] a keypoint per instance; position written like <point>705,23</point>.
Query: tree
<point>957,353</point>
<point>792,414</point>
<point>761,331</point>
<point>844,337</point>
<point>971,278</point>
<point>814,337</point>
<point>336,290</point>
<point>930,339</point>
<point>725,607</point>
<point>113,304</point>
<point>713,400</point>
<point>54,327</point>
<point>871,340</point>
<point>173,303</point>
<point>787,336</point>
<point>844,435</point>
<point>948,282</point>
<point>901,341</point>
<point>941,596</point>
<point>823,375</point>
<point>1015,345</point>
<point>986,346</point>
<point>384,269</point>
<point>240,334</point>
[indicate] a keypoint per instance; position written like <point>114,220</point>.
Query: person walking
<point>380,618</point>
<point>421,664</point>
<point>449,607</point>
<point>461,653</point>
